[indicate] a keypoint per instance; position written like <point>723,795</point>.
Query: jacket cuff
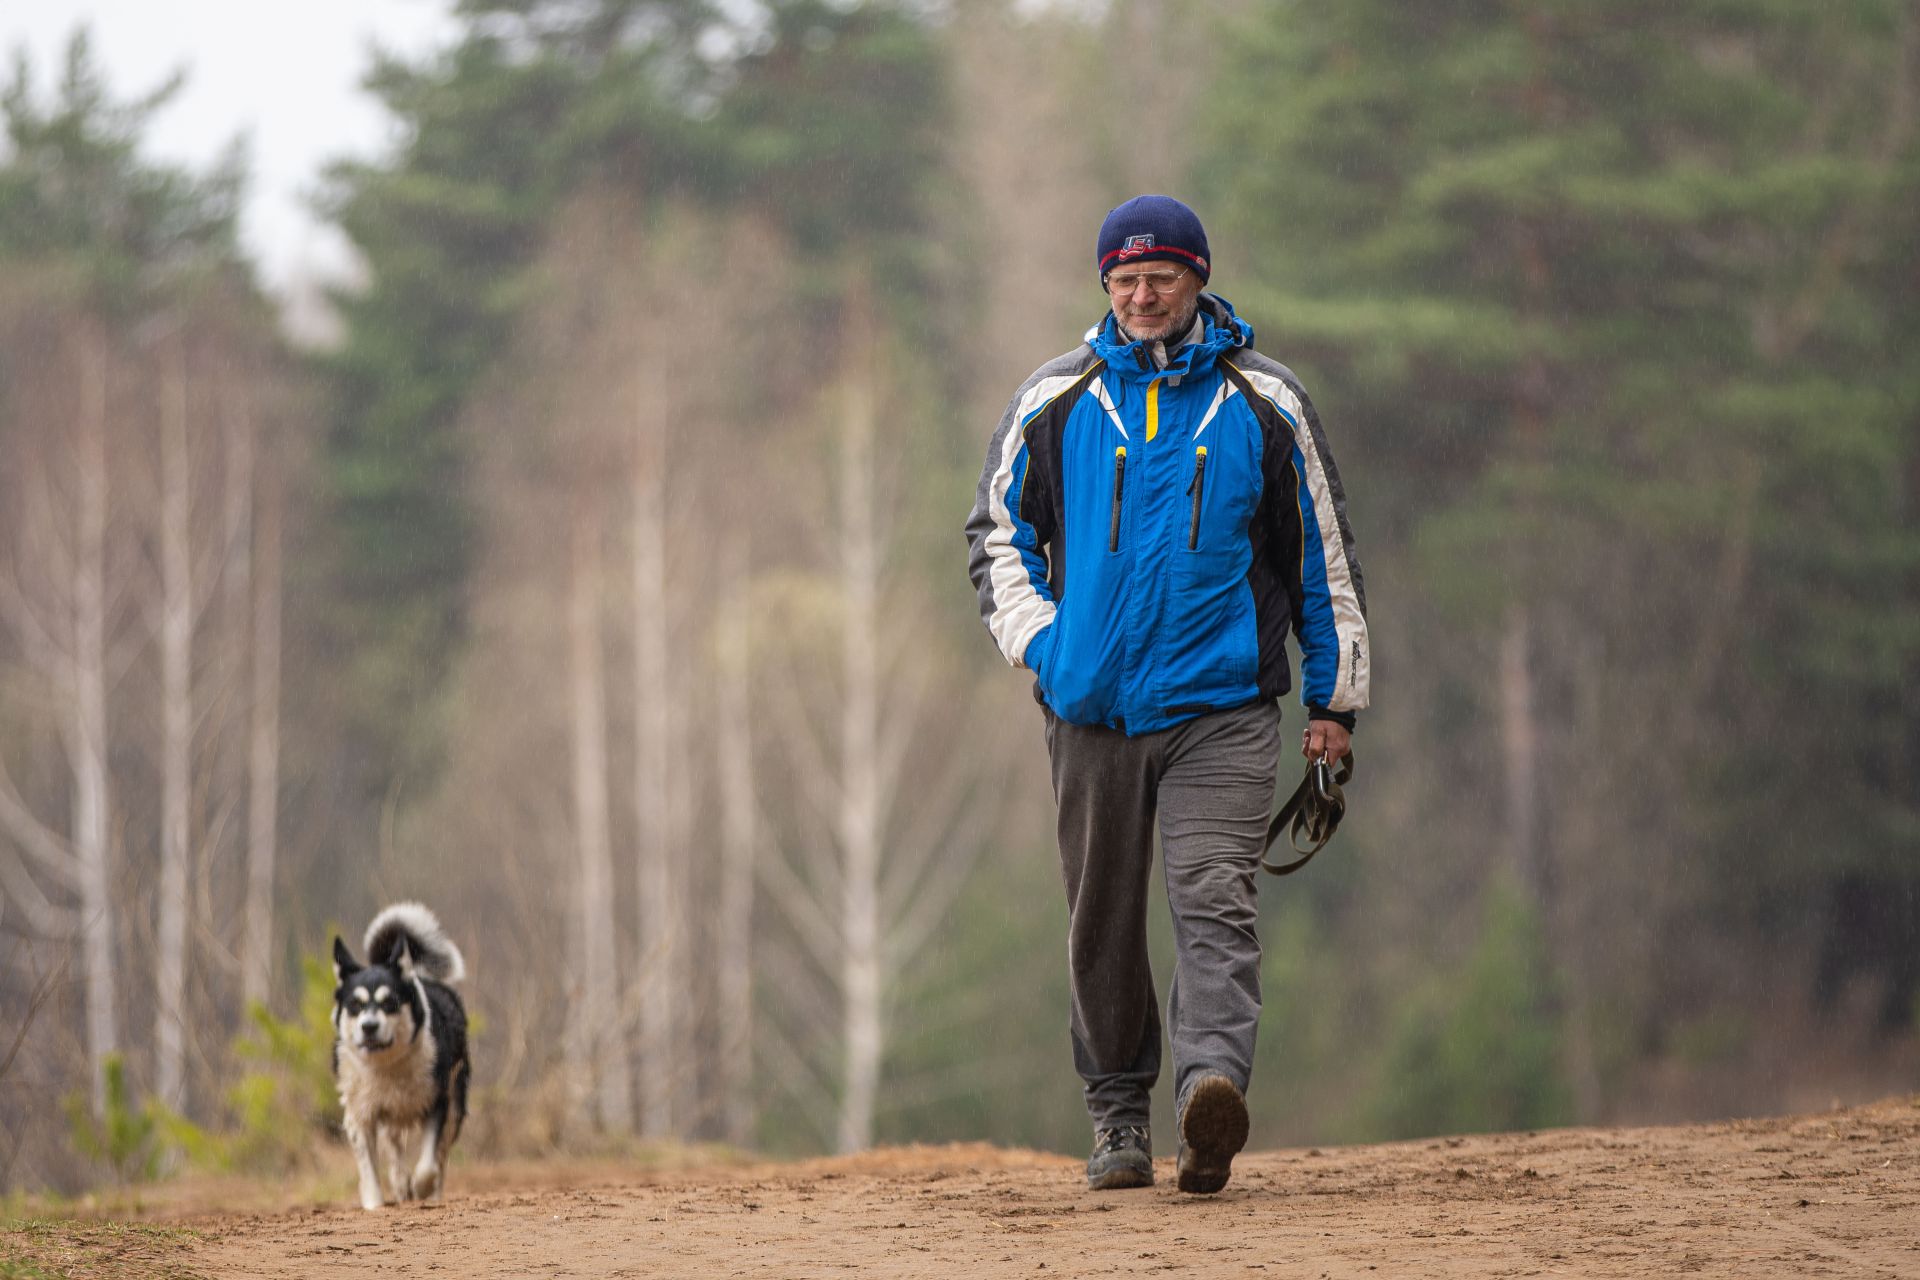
<point>1345,719</point>
<point>1034,656</point>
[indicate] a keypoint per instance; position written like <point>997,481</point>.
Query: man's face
<point>1141,306</point>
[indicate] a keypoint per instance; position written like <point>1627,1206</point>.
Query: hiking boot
<point>1122,1157</point>
<point>1213,1128</point>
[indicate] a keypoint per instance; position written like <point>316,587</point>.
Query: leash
<point>1313,811</point>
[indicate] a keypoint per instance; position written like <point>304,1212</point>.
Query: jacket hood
<point>1221,331</point>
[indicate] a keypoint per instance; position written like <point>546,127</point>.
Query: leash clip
<point>1324,789</point>
<point>1311,814</point>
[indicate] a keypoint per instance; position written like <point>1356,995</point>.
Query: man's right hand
<point>1325,739</point>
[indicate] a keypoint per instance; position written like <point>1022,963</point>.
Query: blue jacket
<point>1144,538</point>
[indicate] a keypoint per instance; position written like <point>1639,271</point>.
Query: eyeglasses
<point>1122,284</point>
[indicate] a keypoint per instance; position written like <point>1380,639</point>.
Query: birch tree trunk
<point>176,750</point>
<point>230,763</point>
<point>87,725</point>
<point>859,812</point>
<point>263,731</point>
<point>865,901</point>
<point>733,935</point>
<point>55,602</point>
<point>661,942</point>
<point>597,1044</point>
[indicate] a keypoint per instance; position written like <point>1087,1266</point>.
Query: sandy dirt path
<point>1827,1195</point>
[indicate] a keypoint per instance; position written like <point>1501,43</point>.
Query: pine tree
<point>1606,295</point>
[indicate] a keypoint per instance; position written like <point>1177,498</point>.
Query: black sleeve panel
<point>1274,575</point>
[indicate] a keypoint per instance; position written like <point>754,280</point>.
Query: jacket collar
<point>1216,329</point>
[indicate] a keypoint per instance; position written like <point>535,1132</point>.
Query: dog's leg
<point>427,1169</point>
<point>362,1142</point>
<point>393,1161</point>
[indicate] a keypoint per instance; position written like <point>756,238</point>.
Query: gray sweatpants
<point>1210,783</point>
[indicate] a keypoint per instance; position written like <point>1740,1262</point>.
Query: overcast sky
<point>285,73</point>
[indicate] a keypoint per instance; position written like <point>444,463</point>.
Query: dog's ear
<point>403,958</point>
<point>343,961</point>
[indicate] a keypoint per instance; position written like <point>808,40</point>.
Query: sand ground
<point>1835,1194</point>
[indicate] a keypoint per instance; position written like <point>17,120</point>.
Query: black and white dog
<point>400,1054</point>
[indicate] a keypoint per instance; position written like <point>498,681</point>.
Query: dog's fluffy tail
<point>432,950</point>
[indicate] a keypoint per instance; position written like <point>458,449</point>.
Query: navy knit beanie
<point>1150,228</point>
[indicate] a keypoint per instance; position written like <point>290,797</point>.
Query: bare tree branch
<point>43,916</point>
<point>905,708</point>
<point>933,816</point>
<point>805,994</point>
<point>46,538</point>
<point>43,650</point>
<point>36,999</point>
<point>800,1081</point>
<point>122,650</point>
<point>937,891</point>
<point>809,751</point>
<point>795,900</point>
<point>215,947</point>
<point>47,849</point>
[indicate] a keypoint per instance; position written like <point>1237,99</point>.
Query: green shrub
<point>297,1053</point>
<point>279,1105</point>
<point>284,1101</point>
<point>122,1136</point>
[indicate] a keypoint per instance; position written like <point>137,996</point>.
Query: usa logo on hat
<point>1148,227</point>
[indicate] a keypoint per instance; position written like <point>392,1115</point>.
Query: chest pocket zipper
<point>1196,488</point>
<point>1119,488</point>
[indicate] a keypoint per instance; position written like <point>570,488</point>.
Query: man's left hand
<point>1325,738</point>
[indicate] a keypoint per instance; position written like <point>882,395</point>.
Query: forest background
<point>603,585</point>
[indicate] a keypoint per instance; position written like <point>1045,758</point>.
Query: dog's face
<point>375,1006</point>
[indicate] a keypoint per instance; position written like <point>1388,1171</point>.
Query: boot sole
<point>1121,1179</point>
<point>1212,1130</point>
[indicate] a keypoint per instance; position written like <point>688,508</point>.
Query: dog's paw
<point>426,1183</point>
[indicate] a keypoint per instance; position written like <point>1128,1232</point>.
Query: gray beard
<point>1177,336</point>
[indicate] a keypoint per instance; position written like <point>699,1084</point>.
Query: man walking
<point>1158,510</point>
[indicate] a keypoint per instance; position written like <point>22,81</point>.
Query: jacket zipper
<point>1199,483</point>
<point>1119,484</point>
